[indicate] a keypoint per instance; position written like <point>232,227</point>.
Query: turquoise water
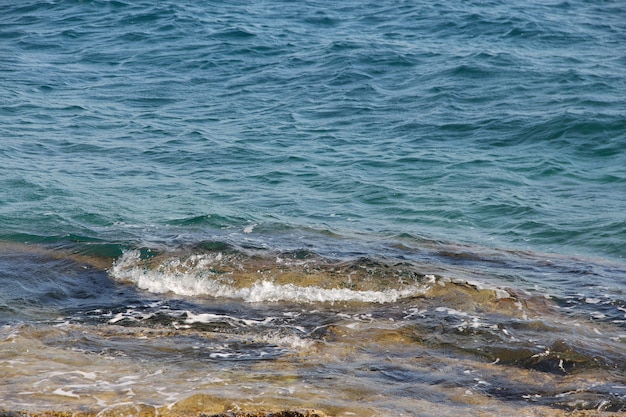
<point>487,124</point>
<point>479,141</point>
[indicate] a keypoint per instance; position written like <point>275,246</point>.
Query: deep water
<point>484,122</point>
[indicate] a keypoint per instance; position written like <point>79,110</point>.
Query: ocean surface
<point>398,208</point>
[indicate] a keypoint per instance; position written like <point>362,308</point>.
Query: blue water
<point>484,123</point>
<point>485,139</point>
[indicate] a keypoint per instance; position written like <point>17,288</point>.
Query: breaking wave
<point>222,275</point>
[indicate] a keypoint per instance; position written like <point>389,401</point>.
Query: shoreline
<point>205,405</point>
<point>146,412</point>
<point>208,411</point>
<point>457,346</point>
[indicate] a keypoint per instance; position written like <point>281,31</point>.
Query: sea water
<point>396,208</point>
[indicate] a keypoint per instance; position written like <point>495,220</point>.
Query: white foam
<point>197,280</point>
<point>60,391</point>
<point>499,292</point>
<point>451,311</point>
<point>211,318</point>
<point>87,375</point>
<point>291,341</point>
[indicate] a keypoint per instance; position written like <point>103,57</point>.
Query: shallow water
<point>292,329</point>
<point>378,209</point>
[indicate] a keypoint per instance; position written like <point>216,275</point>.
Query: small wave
<point>255,279</point>
<point>205,275</point>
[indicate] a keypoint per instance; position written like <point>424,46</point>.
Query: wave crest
<point>284,277</point>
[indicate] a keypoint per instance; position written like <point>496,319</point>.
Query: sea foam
<point>200,280</point>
